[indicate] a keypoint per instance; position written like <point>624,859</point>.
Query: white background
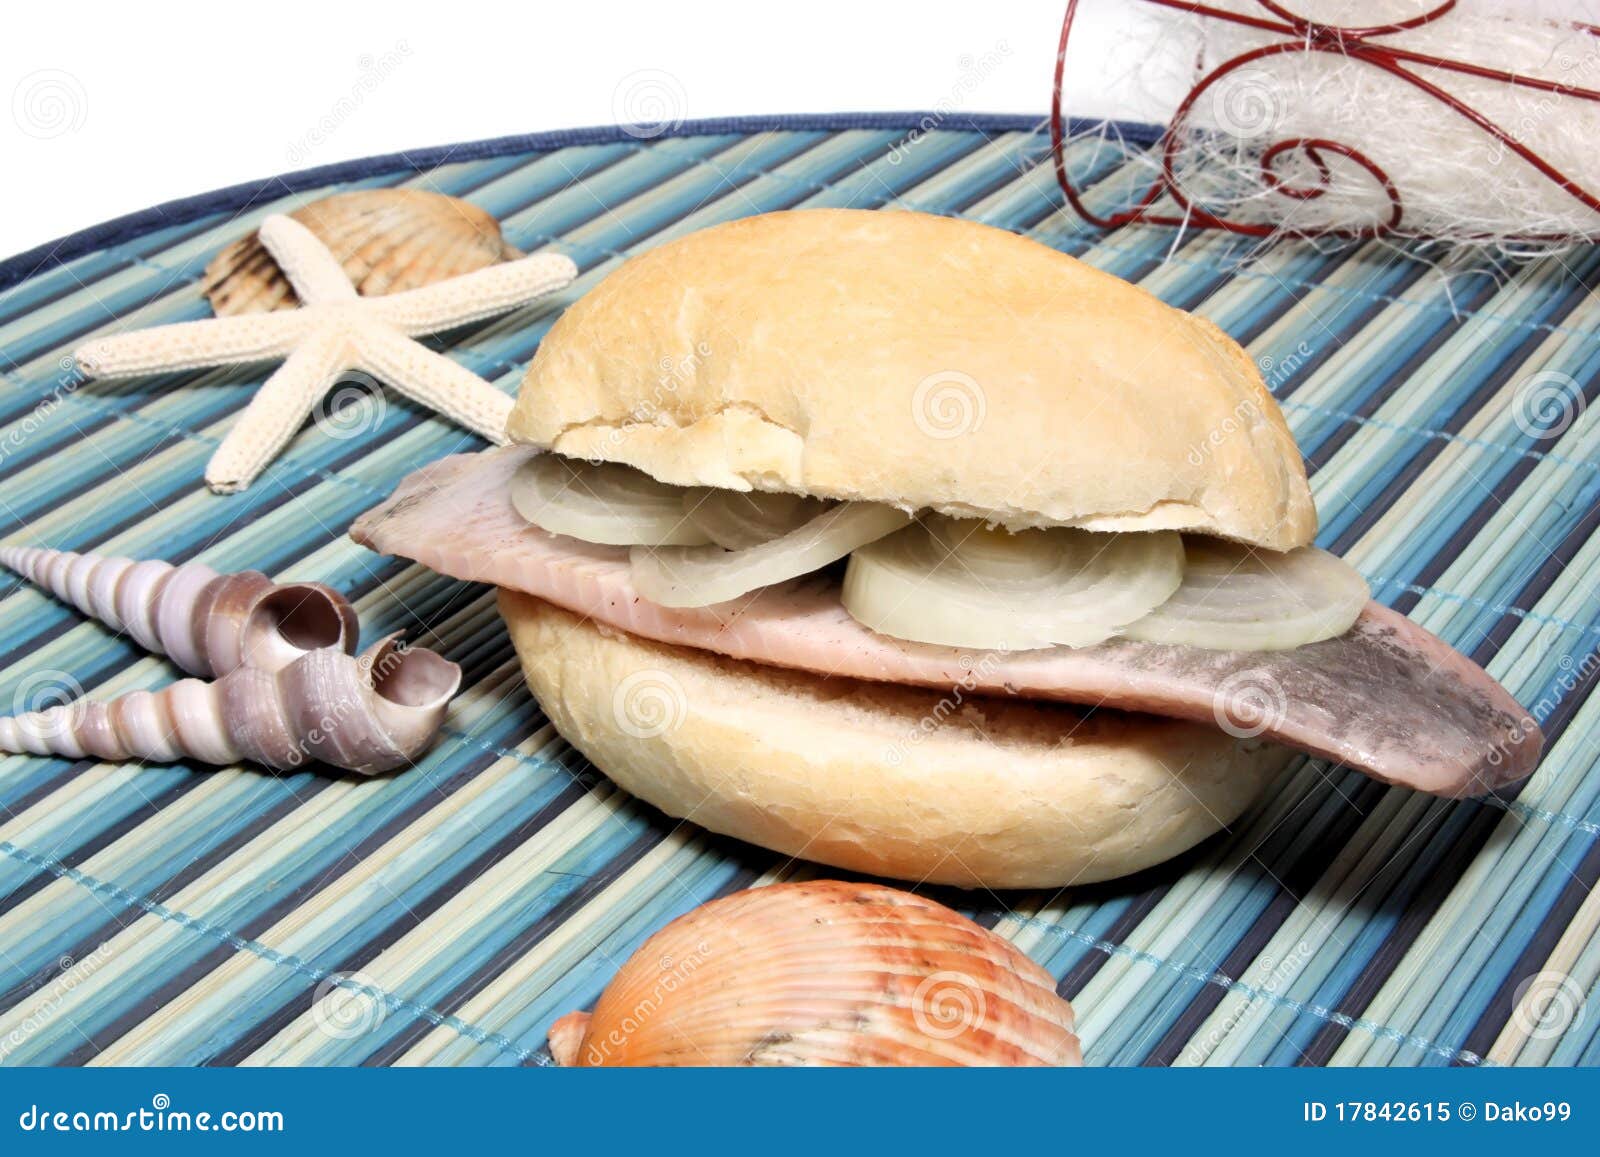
<point>116,107</point>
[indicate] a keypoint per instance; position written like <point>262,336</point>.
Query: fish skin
<point>1387,698</point>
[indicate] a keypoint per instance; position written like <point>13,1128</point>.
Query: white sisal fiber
<point>1455,181</point>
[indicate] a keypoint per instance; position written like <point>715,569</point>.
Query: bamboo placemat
<point>181,915</point>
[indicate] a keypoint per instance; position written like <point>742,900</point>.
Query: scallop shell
<point>368,714</point>
<point>823,973</point>
<point>387,240</point>
<point>207,623</point>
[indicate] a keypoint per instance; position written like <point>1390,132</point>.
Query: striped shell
<point>387,240</point>
<point>367,714</point>
<point>823,973</point>
<point>205,622</point>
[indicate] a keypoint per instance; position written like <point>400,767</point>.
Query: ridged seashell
<point>823,973</point>
<point>386,239</point>
<point>207,623</point>
<point>367,714</point>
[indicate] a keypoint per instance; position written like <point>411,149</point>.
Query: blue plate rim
<point>241,197</point>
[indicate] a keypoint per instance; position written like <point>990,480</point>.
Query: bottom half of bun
<point>931,786</point>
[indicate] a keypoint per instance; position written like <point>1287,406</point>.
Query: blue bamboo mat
<point>445,916</point>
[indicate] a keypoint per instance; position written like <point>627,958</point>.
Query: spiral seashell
<point>207,623</point>
<point>823,973</point>
<point>386,239</point>
<point>368,714</point>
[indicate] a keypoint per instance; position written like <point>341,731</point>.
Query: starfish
<point>334,332</point>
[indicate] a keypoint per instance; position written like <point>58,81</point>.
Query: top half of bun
<point>923,361</point>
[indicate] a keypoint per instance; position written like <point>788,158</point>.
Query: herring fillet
<point>1387,697</point>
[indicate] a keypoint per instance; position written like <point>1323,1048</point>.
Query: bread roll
<point>923,361</point>
<point>894,781</point>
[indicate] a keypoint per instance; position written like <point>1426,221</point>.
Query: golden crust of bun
<point>880,778</point>
<point>923,361</point>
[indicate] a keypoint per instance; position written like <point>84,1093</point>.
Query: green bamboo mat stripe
<point>181,915</point>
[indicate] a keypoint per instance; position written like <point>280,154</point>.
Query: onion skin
<point>1239,598</point>
<point>823,973</point>
<point>601,503</point>
<point>702,576</point>
<point>954,583</point>
<point>737,519</point>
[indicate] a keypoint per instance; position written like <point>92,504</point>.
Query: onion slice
<point>1238,598</point>
<point>737,519</point>
<point>958,583</point>
<point>601,502</point>
<point>702,576</point>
